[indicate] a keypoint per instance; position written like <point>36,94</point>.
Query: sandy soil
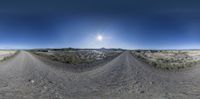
<point>27,77</point>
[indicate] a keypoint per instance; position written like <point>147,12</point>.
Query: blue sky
<point>128,24</point>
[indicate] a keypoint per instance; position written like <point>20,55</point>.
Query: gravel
<point>28,77</point>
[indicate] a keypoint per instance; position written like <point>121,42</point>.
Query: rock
<point>31,80</point>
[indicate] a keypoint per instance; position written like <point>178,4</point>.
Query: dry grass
<point>79,56</point>
<point>5,54</point>
<point>169,59</point>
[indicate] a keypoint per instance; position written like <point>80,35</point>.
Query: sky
<point>128,24</point>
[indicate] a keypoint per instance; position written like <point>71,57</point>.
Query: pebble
<point>150,82</point>
<point>141,91</point>
<point>32,81</point>
<point>45,87</point>
<point>4,84</point>
<point>135,82</point>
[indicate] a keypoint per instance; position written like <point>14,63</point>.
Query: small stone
<point>150,82</point>
<point>45,87</point>
<point>32,81</point>
<point>135,82</point>
<point>50,82</point>
<point>141,91</point>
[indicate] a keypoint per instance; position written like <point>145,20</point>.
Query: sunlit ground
<point>5,53</point>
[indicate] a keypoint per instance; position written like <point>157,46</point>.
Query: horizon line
<point>102,48</point>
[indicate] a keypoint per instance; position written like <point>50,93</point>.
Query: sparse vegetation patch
<point>169,59</point>
<point>78,56</point>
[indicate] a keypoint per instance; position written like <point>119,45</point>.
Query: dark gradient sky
<point>157,24</point>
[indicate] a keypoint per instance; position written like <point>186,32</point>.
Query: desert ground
<point>122,75</point>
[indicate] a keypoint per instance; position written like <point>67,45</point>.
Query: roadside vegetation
<point>169,59</point>
<point>78,56</point>
<point>7,54</point>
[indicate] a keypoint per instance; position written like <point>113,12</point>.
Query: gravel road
<point>27,77</point>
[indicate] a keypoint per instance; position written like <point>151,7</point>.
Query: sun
<point>99,37</point>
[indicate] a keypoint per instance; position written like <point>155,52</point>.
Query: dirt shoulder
<point>9,56</point>
<point>168,59</point>
<point>75,67</point>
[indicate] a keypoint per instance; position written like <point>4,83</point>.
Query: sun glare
<point>99,37</point>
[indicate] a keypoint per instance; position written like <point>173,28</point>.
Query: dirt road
<point>27,77</point>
